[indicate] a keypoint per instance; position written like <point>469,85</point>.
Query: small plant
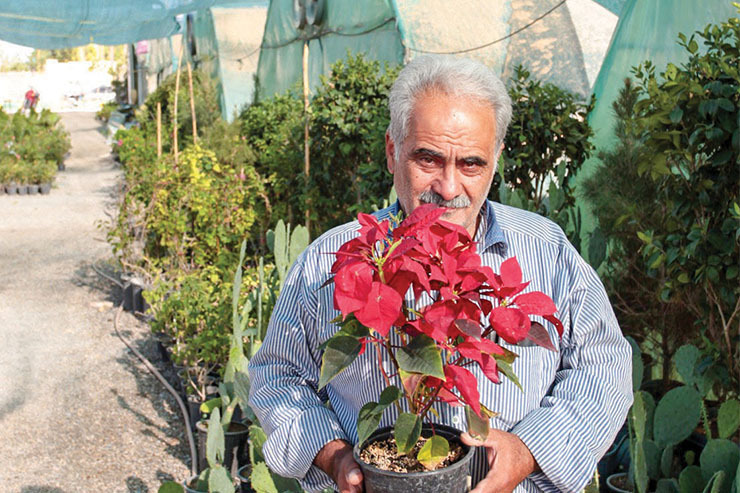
<point>430,346</point>
<point>215,478</point>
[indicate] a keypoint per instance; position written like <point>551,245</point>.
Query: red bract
<point>458,306</point>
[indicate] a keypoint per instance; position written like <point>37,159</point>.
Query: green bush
<point>546,144</point>
<point>348,119</point>
<point>690,118</point>
<point>31,146</point>
<point>624,204</point>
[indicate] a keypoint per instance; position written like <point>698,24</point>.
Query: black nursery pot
<point>451,479</point>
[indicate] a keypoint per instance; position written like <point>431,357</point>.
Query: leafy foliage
<point>373,272</point>
<point>625,204</point>
<point>546,144</point>
<point>690,118</point>
<point>31,146</point>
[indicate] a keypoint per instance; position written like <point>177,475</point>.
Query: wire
<point>155,372</point>
<point>467,50</point>
<point>183,409</point>
<point>317,35</point>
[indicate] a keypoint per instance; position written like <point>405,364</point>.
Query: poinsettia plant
<point>458,307</point>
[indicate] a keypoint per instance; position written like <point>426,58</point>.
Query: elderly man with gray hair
<point>448,121</point>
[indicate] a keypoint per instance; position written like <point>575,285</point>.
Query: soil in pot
<point>454,478</point>
<point>383,454</point>
<point>619,483</point>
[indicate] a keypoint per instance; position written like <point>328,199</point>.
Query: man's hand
<point>509,460</point>
<point>335,459</point>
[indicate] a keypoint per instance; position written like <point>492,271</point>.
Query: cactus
<point>676,416</point>
<point>286,246</point>
<point>728,419</point>
<point>720,455</point>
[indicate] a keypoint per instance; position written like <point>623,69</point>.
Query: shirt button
<point>456,420</point>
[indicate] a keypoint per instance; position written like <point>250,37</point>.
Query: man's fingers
<point>354,477</point>
<point>467,439</point>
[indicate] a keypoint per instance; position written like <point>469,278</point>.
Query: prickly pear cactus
<point>720,455</point>
<point>676,416</point>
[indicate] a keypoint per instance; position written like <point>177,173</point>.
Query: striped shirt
<point>573,401</point>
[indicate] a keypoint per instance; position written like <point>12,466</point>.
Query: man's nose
<point>448,183</point>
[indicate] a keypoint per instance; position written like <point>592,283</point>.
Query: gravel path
<point>78,412</point>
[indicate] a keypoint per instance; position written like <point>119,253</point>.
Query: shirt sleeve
<point>284,377</point>
<point>592,390</point>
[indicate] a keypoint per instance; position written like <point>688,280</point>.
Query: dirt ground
<point>78,412</point>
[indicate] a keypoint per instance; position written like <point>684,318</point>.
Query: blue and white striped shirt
<point>574,400</point>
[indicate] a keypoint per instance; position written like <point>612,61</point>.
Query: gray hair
<point>456,76</point>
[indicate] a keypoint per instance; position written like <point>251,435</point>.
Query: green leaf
<point>299,240</point>
<point>340,352</point>
<point>407,432</point>
<point>505,368</point>
<point>208,406</point>
<point>421,355</point>
<point>215,445</point>
<point>241,388</point>
<point>433,452</point>
<point>368,420</point>
<point>171,487</point>
<point>219,481</point>
<point>728,418</point>
<point>685,360</point>
<point>389,395</point>
<point>478,427</point>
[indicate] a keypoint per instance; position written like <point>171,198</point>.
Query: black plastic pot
<point>45,188</point>
<point>11,188</point>
<point>235,438</point>
<point>245,483</point>
<point>22,189</point>
<point>189,485</point>
<point>33,189</point>
<point>611,486</point>
<point>451,479</point>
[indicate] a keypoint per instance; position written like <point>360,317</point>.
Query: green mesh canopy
<point>53,24</point>
<point>647,30</point>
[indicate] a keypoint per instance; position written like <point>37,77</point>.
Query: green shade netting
<point>54,24</point>
<point>368,27</point>
<point>647,30</point>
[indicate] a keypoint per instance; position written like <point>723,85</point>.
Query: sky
<point>13,53</point>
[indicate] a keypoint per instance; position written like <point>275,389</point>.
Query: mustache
<point>432,197</point>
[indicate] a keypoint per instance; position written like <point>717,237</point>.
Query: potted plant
<point>662,459</point>
<point>213,479</point>
<point>430,347</point>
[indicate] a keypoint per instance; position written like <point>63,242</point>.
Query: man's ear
<point>390,152</point>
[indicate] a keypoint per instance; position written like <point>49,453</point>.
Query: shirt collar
<point>489,233</point>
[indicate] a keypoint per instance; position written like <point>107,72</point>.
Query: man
<point>448,122</point>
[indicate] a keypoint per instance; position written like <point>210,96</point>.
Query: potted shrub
<point>428,346</point>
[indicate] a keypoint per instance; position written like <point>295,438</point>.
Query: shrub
<point>690,117</point>
<point>546,144</point>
